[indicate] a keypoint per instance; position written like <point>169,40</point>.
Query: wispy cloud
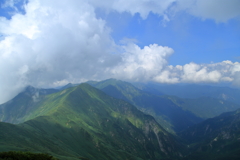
<point>218,10</point>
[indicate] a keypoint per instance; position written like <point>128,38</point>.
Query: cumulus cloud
<point>167,76</point>
<point>196,73</point>
<point>57,42</point>
<point>225,71</point>
<point>141,64</point>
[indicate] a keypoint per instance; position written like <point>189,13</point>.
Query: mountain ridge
<point>111,125</point>
<point>172,117</point>
<point>192,91</point>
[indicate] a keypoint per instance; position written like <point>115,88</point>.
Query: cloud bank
<point>57,42</point>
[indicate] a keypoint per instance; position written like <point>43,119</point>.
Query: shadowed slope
<point>172,117</point>
<point>215,138</point>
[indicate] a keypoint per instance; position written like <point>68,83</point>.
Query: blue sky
<point>51,43</point>
<point>9,8</point>
<point>193,39</point>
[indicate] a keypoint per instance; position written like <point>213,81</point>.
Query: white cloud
<point>166,77</point>
<point>236,68</point>
<point>195,73</point>
<point>54,41</point>
<point>142,64</point>
<point>57,42</point>
<point>225,71</point>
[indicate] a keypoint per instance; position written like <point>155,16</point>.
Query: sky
<point>49,43</point>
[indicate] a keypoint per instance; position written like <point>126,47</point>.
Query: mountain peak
<point>30,89</point>
<point>69,85</point>
<point>106,124</point>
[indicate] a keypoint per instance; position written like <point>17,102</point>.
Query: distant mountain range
<point>99,120</point>
<point>192,91</point>
<point>173,113</point>
<point>204,107</point>
<point>172,117</point>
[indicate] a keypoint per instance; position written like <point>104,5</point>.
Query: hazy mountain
<point>83,121</point>
<point>17,109</point>
<point>215,138</point>
<point>69,85</point>
<point>204,107</point>
<point>172,117</point>
<point>192,91</point>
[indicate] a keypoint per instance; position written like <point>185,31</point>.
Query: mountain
<point>172,117</point>
<point>15,110</point>
<point>85,122</point>
<point>174,114</point>
<point>192,91</point>
<point>204,107</point>
<point>216,138</point>
<point>69,85</point>
<point>18,138</point>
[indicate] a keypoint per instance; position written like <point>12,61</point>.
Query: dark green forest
<point>19,155</point>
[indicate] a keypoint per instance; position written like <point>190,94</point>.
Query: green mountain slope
<point>83,121</point>
<point>215,138</point>
<point>204,107</point>
<point>172,117</point>
<point>19,138</point>
<point>15,110</point>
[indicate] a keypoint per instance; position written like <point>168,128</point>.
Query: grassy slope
<point>83,121</point>
<point>172,117</point>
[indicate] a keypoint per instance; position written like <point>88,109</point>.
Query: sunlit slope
<point>84,121</point>
<point>172,117</point>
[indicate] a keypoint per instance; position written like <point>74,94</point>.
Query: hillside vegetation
<point>85,122</point>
